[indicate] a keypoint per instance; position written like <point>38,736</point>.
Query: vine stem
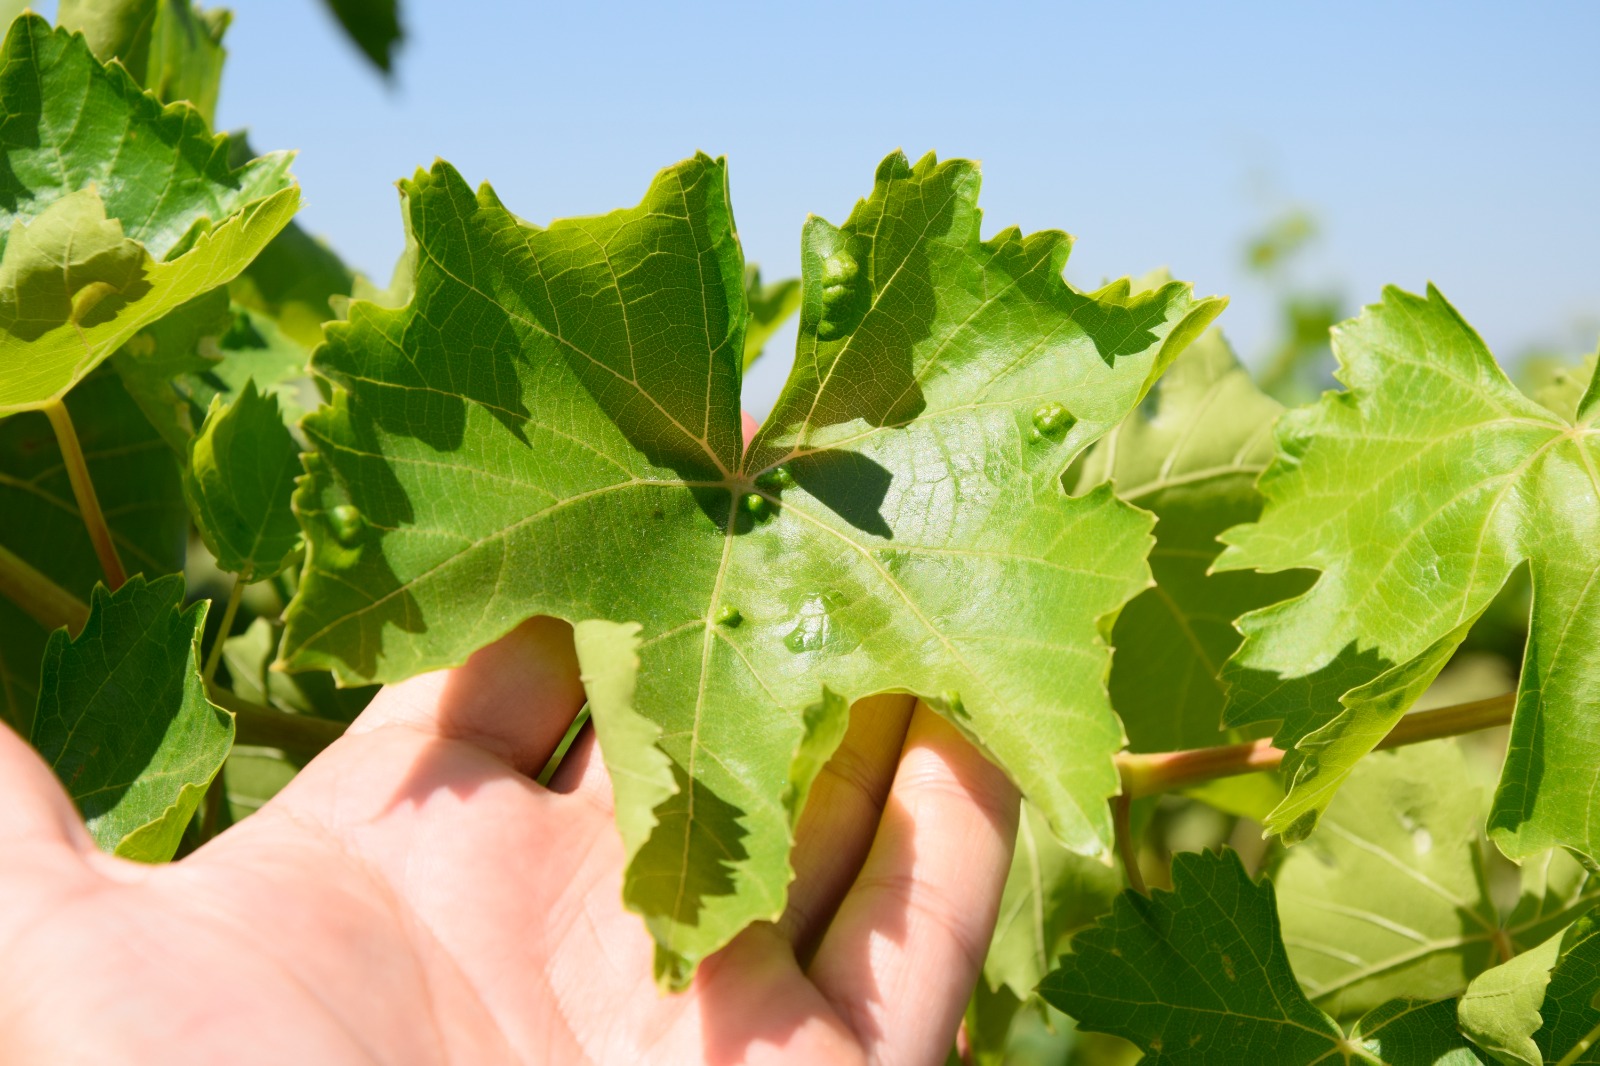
<point>94,520</point>
<point>228,614</point>
<point>1149,773</point>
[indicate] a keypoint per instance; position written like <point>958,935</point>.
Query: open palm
<point>414,896</point>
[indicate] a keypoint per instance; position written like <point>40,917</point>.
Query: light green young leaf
<point>1199,976</point>
<point>124,721</point>
<point>1193,462</point>
<point>1389,896</point>
<point>136,479</point>
<point>770,307</point>
<point>1050,894</point>
<point>551,426</point>
<point>241,473</point>
<point>1417,493</point>
<point>1500,1010</point>
<point>1541,1007</point>
<point>90,157</point>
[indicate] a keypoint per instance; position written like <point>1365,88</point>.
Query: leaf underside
<point>550,425</point>
<point>1417,493</point>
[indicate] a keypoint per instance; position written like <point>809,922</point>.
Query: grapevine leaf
<point>170,47</point>
<point>253,775</point>
<point>1050,894</point>
<point>1411,1032</point>
<point>124,721</point>
<point>242,469</point>
<point>137,481</point>
<point>1417,493</point>
<point>297,280</point>
<point>114,210</point>
<point>1195,975</point>
<point>1405,832</point>
<point>1388,896</point>
<point>1192,461</point>
<point>1199,975</point>
<point>1500,1010</point>
<point>373,25</point>
<point>551,426</point>
<point>249,657</point>
<point>159,364</point>
<point>1541,1006</point>
<point>770,307</point>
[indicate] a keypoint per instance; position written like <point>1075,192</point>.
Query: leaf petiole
<point>1149,773</point>
<point>40,598</point>
<point>94,520</point>
<point>229,612</point>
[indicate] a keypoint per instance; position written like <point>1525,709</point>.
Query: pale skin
<point>414,896</point>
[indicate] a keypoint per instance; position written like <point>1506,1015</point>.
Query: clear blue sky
<point>1453,142</point>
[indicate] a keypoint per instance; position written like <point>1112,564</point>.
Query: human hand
<point>413,896</point>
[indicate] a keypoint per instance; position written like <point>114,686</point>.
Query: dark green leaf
<point>241,473</point>
<point>374,26</point>
<point>124,721</point>
<point>1197,975</point>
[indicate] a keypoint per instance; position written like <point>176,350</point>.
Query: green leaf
<point>241,473</point>
<point>160,365</point>
<point>1199,975</point>
<point>1192,461</point>
<point>114,212</point>
<point>124,721</point>
<point>1413,1032</point>
<point>249,657</point>
<point>551,426</point>
<point>297,280</point>
<point>1541,1006</point>
<point>1050,894</point>
<point>770,307</point>
<point>169,46</point>
<point>136,479</point>
<point>1417,493</point>
<point>1196,975</point>
<point>1390,895</point>
<point>374,26</point>
<point>1500,1010</point>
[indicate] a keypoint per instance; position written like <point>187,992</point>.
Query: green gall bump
<point>838,270</point>
<point>347,524</point>
<point>952,703</point>
<point>1052,420</point>
<point>756,504</point>
<point>777,479</point>
<point>729,616</point>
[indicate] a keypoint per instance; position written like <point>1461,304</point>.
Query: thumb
<point>36,808</point>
